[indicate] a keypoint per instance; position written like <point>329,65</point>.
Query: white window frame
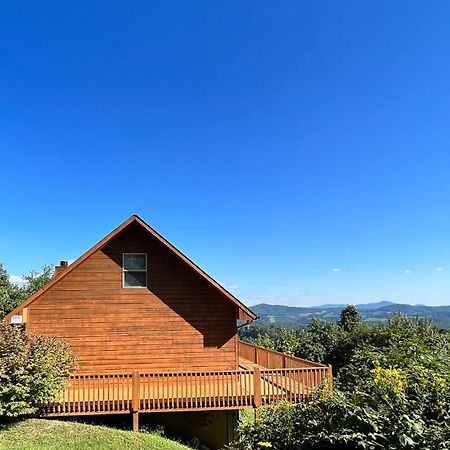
<point>124,271</point>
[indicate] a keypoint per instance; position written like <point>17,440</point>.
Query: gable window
<point>134,270</point>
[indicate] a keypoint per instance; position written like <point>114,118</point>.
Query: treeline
<point>391,387</point>
<point>12,294</point>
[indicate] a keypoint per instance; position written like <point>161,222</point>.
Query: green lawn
<point>39,434</point>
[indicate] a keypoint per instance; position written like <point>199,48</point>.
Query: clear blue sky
<point>297,151</point>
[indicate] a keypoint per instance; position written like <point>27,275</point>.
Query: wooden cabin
<point>154,333</point>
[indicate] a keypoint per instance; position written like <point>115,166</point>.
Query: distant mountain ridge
<point>370,312</point>
<point>361,306</point>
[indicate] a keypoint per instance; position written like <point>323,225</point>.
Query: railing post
<point>256,387</point>
<point>136,400</point>
<point>330,377</point>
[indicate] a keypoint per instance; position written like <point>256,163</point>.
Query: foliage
<point>12,295</point>
<point>350,318</point>
<point>34,370</point>
<point>39,434</point>
<point>392,390</point>
<point>36,280</point>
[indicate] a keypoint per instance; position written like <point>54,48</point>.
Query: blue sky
<point>297,151</point>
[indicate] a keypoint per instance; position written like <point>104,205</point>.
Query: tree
<point>37,280</point>
<point>350,318</point>
<point>12,295</point>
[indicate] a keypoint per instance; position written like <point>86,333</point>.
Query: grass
<point>40,434</point>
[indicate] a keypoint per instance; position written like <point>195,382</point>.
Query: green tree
<point>12,295</point>
<point>350,318</point>
<point>37,280</point>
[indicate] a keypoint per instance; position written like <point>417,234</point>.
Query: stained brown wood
<point>178,322</point>
<point>185,391</point>
<point>171,346</point>
<point>135,421</point>
<point>136,392</point>
<point>250,386</point>
<point>256,387</point>
<point>272,359</point>
<point>242,311</point>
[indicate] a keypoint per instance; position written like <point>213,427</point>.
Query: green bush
<point>392,391</point>
<point>350,421</point>
<point>34,370</point>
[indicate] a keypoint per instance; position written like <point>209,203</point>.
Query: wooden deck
<point>255,383</point>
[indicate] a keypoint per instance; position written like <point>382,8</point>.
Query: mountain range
<point>370,312</point>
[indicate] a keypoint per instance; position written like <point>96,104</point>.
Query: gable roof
<point>244,312</point>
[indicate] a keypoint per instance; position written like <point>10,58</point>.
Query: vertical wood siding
<point>179,322</point>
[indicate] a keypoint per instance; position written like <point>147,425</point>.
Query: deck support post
<point>256,387</point>
<point>136,400</point>
<point>330,377</point>
<point>135,420</point>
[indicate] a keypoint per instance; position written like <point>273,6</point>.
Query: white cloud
<point>17,279</point>
<point>229,286</point>
<point>407,271</point>
<point>337,270</point>
<point>439,269</point>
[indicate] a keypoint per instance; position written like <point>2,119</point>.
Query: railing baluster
<point>157,402</point>
<point>187,396</point>
<point>119,399</point>
<point>88,393</point>
<point>230,380</point>
<point>242,393</point>
<point>97,388</point>
<point>173,390</point>
<point>217,390</point>
<point>233,393</point>
<point>208,390</point>
<point>82,394</point>
<point>293,385</point>
<point>247,388</point>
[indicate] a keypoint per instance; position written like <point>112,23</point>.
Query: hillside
<point>371,312</point>
<point>40,434</point>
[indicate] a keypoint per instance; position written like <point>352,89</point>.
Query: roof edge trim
<point>244,310</point>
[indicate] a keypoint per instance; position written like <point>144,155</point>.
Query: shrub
<point>392,391</point>
<point>34,370</point>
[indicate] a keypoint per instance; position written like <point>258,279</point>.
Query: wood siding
<point>178,323</point>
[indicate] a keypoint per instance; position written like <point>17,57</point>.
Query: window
<point>134,270</point>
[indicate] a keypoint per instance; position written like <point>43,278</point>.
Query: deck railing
<point>110,393</point>
<point>196,390</point>
<point>258,383</point>
<point>271,358</point>
<point>294,385</point>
